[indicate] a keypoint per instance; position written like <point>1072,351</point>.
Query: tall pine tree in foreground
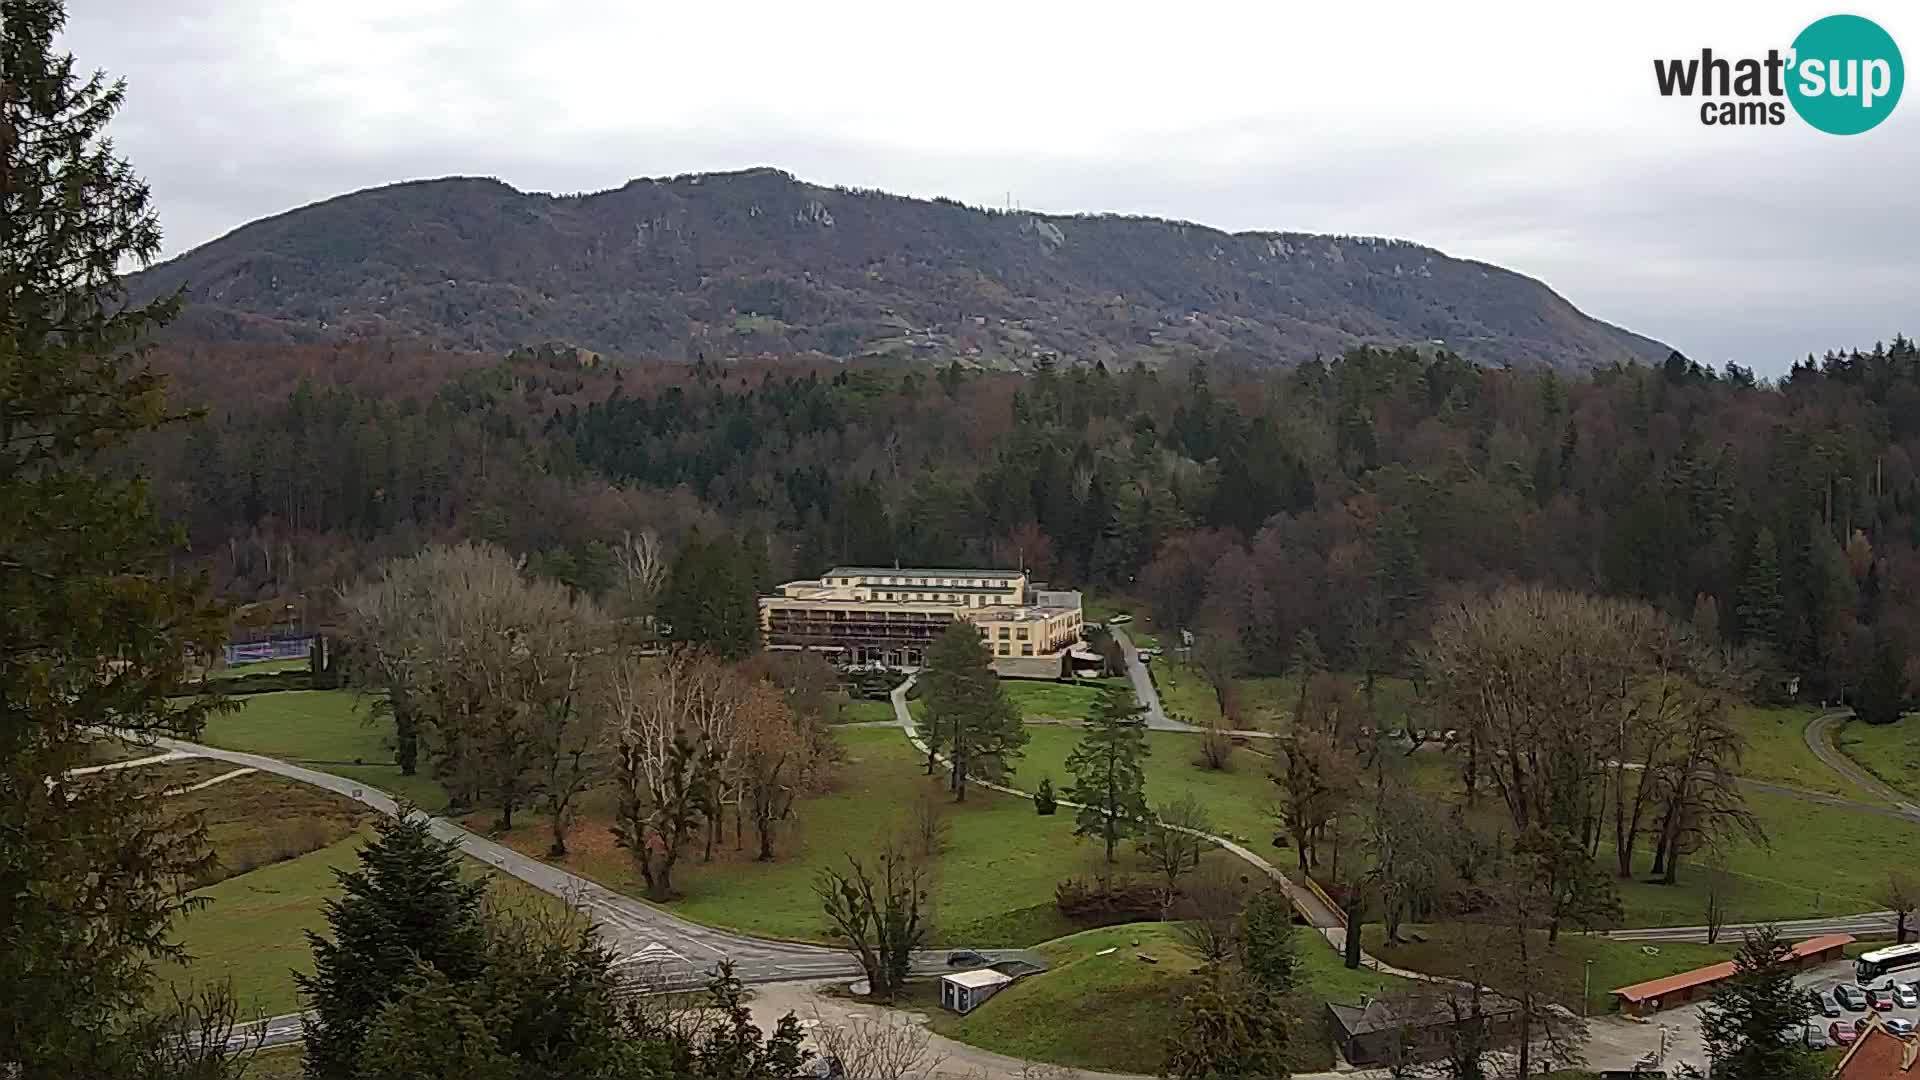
<point>1751,1025</point>
<point>1108,781</point>
<point>95,628</point>
<point>404,908</point>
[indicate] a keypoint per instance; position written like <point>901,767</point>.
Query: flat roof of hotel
<point>917,571</point>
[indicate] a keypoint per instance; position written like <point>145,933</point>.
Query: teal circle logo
<point>1846,75</point>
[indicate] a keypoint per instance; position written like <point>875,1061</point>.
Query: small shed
<point>1642,999</point>
<point>963,991</point>
<point>1416,1027</point>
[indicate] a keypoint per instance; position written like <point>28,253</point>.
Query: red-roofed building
<point>1656,994</point>
<point>1880,1055</point>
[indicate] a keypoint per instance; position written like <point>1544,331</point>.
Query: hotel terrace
<point>880,615</point>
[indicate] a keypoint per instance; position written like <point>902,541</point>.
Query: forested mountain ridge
<point>735,264</point>
<point>1348,500</point>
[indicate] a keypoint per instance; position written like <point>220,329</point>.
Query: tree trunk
<point>1356,911</point>
<point>1660,849</point>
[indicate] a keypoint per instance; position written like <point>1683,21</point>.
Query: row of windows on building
<point>944,598</point>
<point>1003,648</point>
<point>951,583</point>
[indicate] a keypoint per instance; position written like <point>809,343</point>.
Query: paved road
<point>1819,740</point>
<point>1143,688</point>
<point>651,942</point>
<point>658,949</point>
<point>1865,924</point>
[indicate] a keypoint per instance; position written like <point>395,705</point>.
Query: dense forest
<point>1341,498</point>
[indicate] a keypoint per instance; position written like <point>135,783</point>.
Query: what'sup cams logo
<point>1843,75</point>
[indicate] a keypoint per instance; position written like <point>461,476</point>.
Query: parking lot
<point>1903,1015</point>
<point>1619,1042</point>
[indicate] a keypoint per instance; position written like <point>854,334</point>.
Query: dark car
<point>1824,1004</point>
<point>965,958</point>
<point>1850,998</point>
<point>1881,998</point>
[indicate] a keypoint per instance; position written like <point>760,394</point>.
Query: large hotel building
<point>868,614</point>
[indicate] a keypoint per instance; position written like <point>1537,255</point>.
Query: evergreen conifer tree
<point>407,904</point>
<point>1108,781</point>
<point>97,629</point>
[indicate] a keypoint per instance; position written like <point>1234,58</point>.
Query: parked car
<point>1824,1004</point>
<point>1816,1039</point>
<point>1860,1025</point>
<point>1881,998</point>
<point>1898,1026</point>
<point>1850,997</point>
<point>1120,620</point>
<point>1905,996</point>
<point>1145,657</point>
<point>1841,1035</point>
<point>965,958</point>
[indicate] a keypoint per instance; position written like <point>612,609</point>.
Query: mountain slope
<point>755,261</point>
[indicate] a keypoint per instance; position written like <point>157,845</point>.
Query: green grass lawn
<point>1267,703</point>
<point>260,819</point>
<point>1113,1012</point>
<point>860,711</point>
<point>252,927</point>
<point>1891,752</point>
<point>1109,1013</point>
<point>1237,798</point>
<point>1777,752</point>
<point>331,730</point>
<point>1039,700</point>
<point>1820,860</point>
<point>993,883</point>
<point>278,1063</point>
<point>1615,963</point>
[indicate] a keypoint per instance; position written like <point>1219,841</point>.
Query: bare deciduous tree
<point>661,762</point>
<point>1719,883</point>
<point>1901,895</point>
<point>777,760</point>
<point>930,826</point>
<point>886,1046</point>
<point>880,913</point>
<point>1316,779</point>
<point>642,563</point>
<point>1209,911</point>
<point>1174,842</point>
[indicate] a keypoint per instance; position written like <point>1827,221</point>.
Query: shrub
<point>1044,802</point>
<point>1113,903</point>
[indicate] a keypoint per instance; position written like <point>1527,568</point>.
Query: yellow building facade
<point>889,615</point>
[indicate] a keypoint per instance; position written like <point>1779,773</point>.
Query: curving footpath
<point>1818,736</point>
<point>666,950</point>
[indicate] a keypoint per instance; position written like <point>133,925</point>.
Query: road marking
<point>654,953</point>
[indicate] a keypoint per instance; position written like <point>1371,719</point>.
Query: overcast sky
<point>1525,134</point>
